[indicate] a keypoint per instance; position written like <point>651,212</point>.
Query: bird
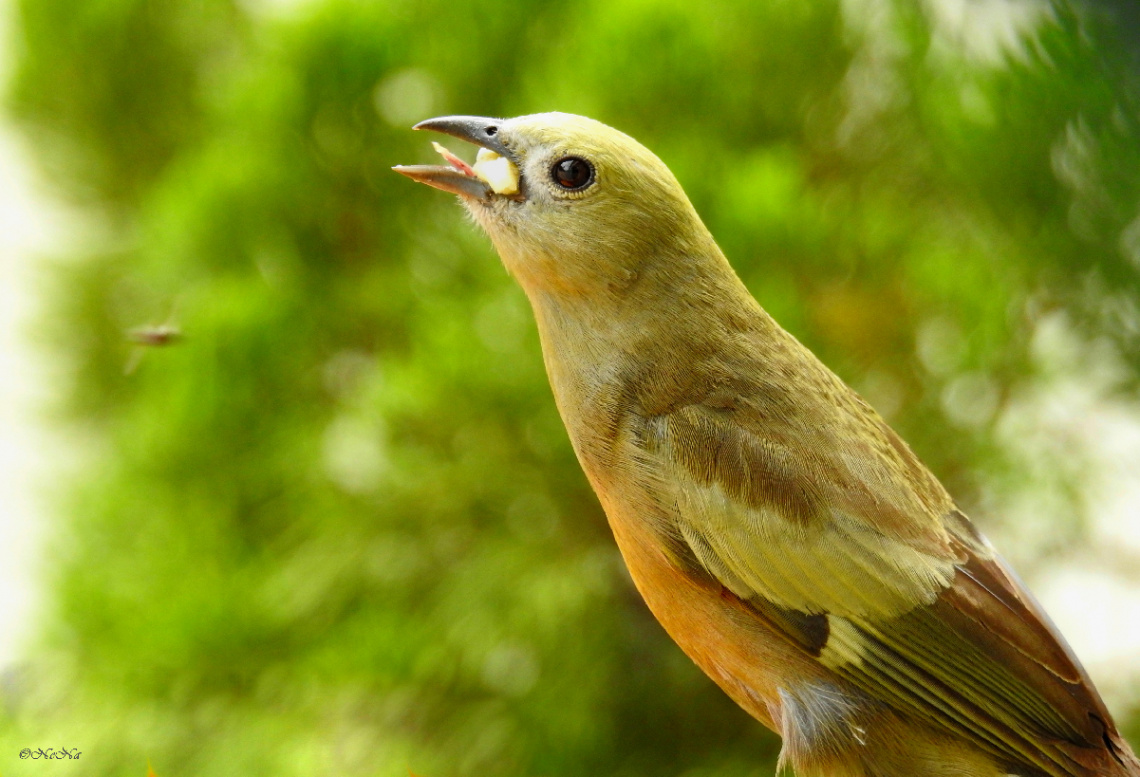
<point>786,538</point>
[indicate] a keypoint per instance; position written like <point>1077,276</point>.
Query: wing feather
<point>926,618</point>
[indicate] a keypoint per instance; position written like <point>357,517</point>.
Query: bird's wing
<point>920,615</point>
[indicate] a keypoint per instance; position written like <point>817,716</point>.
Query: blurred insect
<point>149,336</point>
<point>163,334</point>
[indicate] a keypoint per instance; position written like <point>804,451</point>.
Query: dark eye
<point>572,173</point>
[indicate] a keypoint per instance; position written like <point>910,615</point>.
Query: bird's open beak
<point>457,176</point>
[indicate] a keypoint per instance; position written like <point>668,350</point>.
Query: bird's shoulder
<point>763,421</point>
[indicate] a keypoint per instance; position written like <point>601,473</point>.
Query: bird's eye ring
<point>572,173</point>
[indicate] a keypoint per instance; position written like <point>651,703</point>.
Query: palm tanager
<point>786,538</point>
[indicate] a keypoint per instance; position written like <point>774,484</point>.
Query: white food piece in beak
<point>498,172</point>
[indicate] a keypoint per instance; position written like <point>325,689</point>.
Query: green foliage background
<point>337,529</point>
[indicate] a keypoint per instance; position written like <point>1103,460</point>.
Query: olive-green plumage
<point>785,536</point>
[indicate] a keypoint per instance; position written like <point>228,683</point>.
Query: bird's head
<point>571,204</point>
